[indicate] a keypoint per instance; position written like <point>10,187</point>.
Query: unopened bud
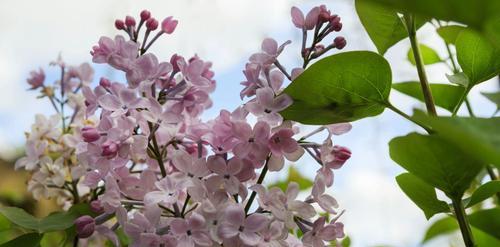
<point>335,23</point>
<point>109,148</point>
<point>129,21</point>
<point>173,60</point>
<point>104,82</point>
<point>168,25</point>
<point>145,15</point>
<point>152,24</point>
<point>36,78</point>
<point>119,24</point>
<point>339,42</point>
<point>96,206</point>
<point>90,134</point>
<point>341,154</point>
<point>85,226</point>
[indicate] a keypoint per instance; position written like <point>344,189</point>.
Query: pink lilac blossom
<point>143,158</point>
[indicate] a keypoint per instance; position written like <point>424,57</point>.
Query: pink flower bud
<point>145,15</point>
<point>96,206</point>
<point>129,21</point>
<point>341,154</point>
<point>151,24</point>
<point>85,226</point>
<point>335,23</point>
<point>168,25</point>
<point>104,82</point>
<point>339,42</point>
<point>90,134</point>
<point>173,61</point>
<point>36,78</point>
<point>119,24</point>
<point>109,148</point>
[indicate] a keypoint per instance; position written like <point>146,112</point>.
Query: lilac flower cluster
<point>142,157</point>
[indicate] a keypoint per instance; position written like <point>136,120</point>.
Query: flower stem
<point>259,181</point>
<point>463,223</point>
<point>412,34</point>
<point>401,113</point>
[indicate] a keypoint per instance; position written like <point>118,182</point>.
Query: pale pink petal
<point>297,17</point>
<point>275,163</point>
<point>255,222</point>
<point>109,102</point>
<point>216,164</point>
<point>250,238</point>
<point>270,46</point>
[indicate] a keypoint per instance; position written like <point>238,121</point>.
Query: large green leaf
<point>53,222</point>
<point>436,161</point>
<point>482,193</point>
<point>483,15</point>
<point>478,58</point>
<point>445,225</point>
<point>26,240</point>
<point>422,194</point>
<point>487,220</point>
<point>477,137</point>
<point>341,88</point>
<point>484,239</point>
<point>445,95</point>
<point>383,24</point>
<point>450,33</point>
<point>429,55</point>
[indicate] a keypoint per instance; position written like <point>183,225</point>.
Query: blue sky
<point>227,32</point>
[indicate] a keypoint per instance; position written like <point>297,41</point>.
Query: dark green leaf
<point>483,239</point>
<point>26,240</point>
<point>482,193</point>
<point>436,161</point>
<point>4,223</point>
<point>341,88</point>
<point>422,194</point>
<point>477,56</point>
<point>443,226</point>
<point>493,97</point>
<point>487,221</point>
<point>445,95</point>
<point>383,24</point>
<point>477,137</point>
<point>429,55</point>
<point>450,33</point>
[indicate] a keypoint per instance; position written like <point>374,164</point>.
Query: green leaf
<point>477,56</point>
<point>443,226</point>
<point>483,239</point>
<point>459,78</point>
<point>476,137</point>
<point>493,97</point>
<point>482,193</point>
<point>436,161</point>
<point>341,88</point>
<point>26,240</point>
<point>294,176</point>
<point>450,33</point>
<point>476,13</point>
<point>445,95</point>
<point>429,55</point>
<point>4,223</point>
<point>487,221</point>
<point>53,222</point>
<point>383,24</point>
<point>422,194</point>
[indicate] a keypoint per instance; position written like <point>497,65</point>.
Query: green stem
<point>469,108</point>
<point>401,113</point>
<point>259,181</point>
<point>412,34</point>
<point>493,177</point>
<point>460,101</point>
<point>463,223</point>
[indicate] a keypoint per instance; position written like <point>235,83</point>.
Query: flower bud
<point>145,15</point>
<point>90,134</point>
<point>173,61</point>
<point>151,24</point>
<point>168,25</point>
<point>335,23</point>
<point>36,78</point>
<point>104,82</point>
<point>119,24</point>
<point>109,148</point>
<point>341,154</point>
<point>339,42</point>
<point>85,226</point>
<point>96,206</point>
<point>129,21</point>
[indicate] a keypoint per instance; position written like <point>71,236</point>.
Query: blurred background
<point>226,32</point>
